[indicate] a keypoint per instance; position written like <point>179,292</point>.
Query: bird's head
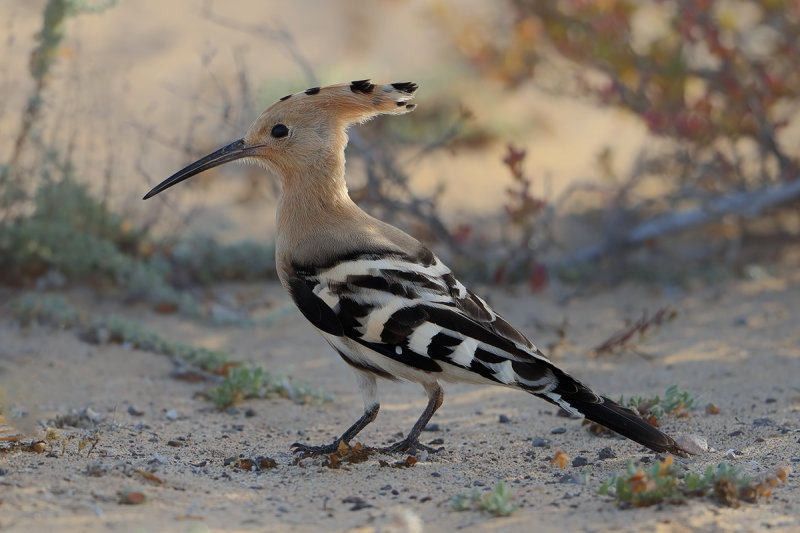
<point>305,131</point>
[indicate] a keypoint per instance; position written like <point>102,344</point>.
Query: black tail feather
<point>627,423</point>
<point>610,414</point>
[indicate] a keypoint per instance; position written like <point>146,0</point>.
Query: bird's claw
<point>411,447</point>
<point>315,450</point>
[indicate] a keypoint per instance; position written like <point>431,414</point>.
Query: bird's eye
<point>279,130</point>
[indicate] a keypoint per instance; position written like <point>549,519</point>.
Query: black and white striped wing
<point>413,311</point>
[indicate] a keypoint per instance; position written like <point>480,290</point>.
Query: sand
<point>734,345</point>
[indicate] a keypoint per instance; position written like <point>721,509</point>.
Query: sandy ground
<point>735,344</point>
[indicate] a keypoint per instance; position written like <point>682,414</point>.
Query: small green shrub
<point>674,402</point>
<point>243,382</point>
<point>663,482</point>
<point>498,502</point>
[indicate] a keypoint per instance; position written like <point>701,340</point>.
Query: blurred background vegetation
<point>554,140</point>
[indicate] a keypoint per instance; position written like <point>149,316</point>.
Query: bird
<point>381,299</point>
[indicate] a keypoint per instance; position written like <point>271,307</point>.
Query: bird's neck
<point>312,201</point>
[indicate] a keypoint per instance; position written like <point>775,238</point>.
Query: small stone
<point>733,454</point>
<point>693,444</point>
<point>795,459</point>
<point>174,443</point>
<point>606,453</point>
<point>435,474</point>
<point>432,427</point>
<point>759,422</point>
<point>95,469</point>
<point>539,442</point>
<point>91,415</point>
<point>558,431</point>
<point>503,419</point>
<point>230,461</point>
<point>133,411</point>
<point>735,433</point>
<point>770,400</point>
<point>172,414</point>
<point>160,459</point>
<point>131,497</point>
<point>249,412</point>
<point>39,446</point>
<point>580,461</point>
<point>436,442</point>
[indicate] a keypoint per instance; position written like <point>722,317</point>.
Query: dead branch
<point>748,204</point>
<point>622,338</point>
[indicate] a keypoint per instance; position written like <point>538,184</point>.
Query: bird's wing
<point>413,310</point>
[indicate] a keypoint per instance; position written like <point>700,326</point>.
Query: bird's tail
<point>570,392</point>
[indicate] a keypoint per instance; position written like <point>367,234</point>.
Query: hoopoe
<point>381,299</point>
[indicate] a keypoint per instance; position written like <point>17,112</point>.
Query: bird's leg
<point>368,416</point>
<point>411,443</point>
<point>369,392</point>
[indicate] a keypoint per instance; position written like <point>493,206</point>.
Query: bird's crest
<point>347,103</point>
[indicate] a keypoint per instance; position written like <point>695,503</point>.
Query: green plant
<point>240,383</point>
<point>663,482</point>
<point>243,382</point>
<point>498,502</point>
<point>71,232</point>
<point>674,402</point>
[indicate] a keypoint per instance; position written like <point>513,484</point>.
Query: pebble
<point>733,454</point>
<point>250,412</point>
<point>795,459</point>
<point>503,419</point>
<point>735,433</point>
<point>432,427</point>
<point>158,459</point>
<point>606,453</point>
<point>580,461</point>
<point>693,444</point>
<point>172,414</point>
<point>133,411</point>
<point>539,442</point>
<point>558,431</point>
<point>758,422</point>
<point>770,400</point>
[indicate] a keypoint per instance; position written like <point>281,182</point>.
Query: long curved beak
<point>235,150</point>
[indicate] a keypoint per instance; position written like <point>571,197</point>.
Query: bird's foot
<point>410,446</point>
<point>309,451</point>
